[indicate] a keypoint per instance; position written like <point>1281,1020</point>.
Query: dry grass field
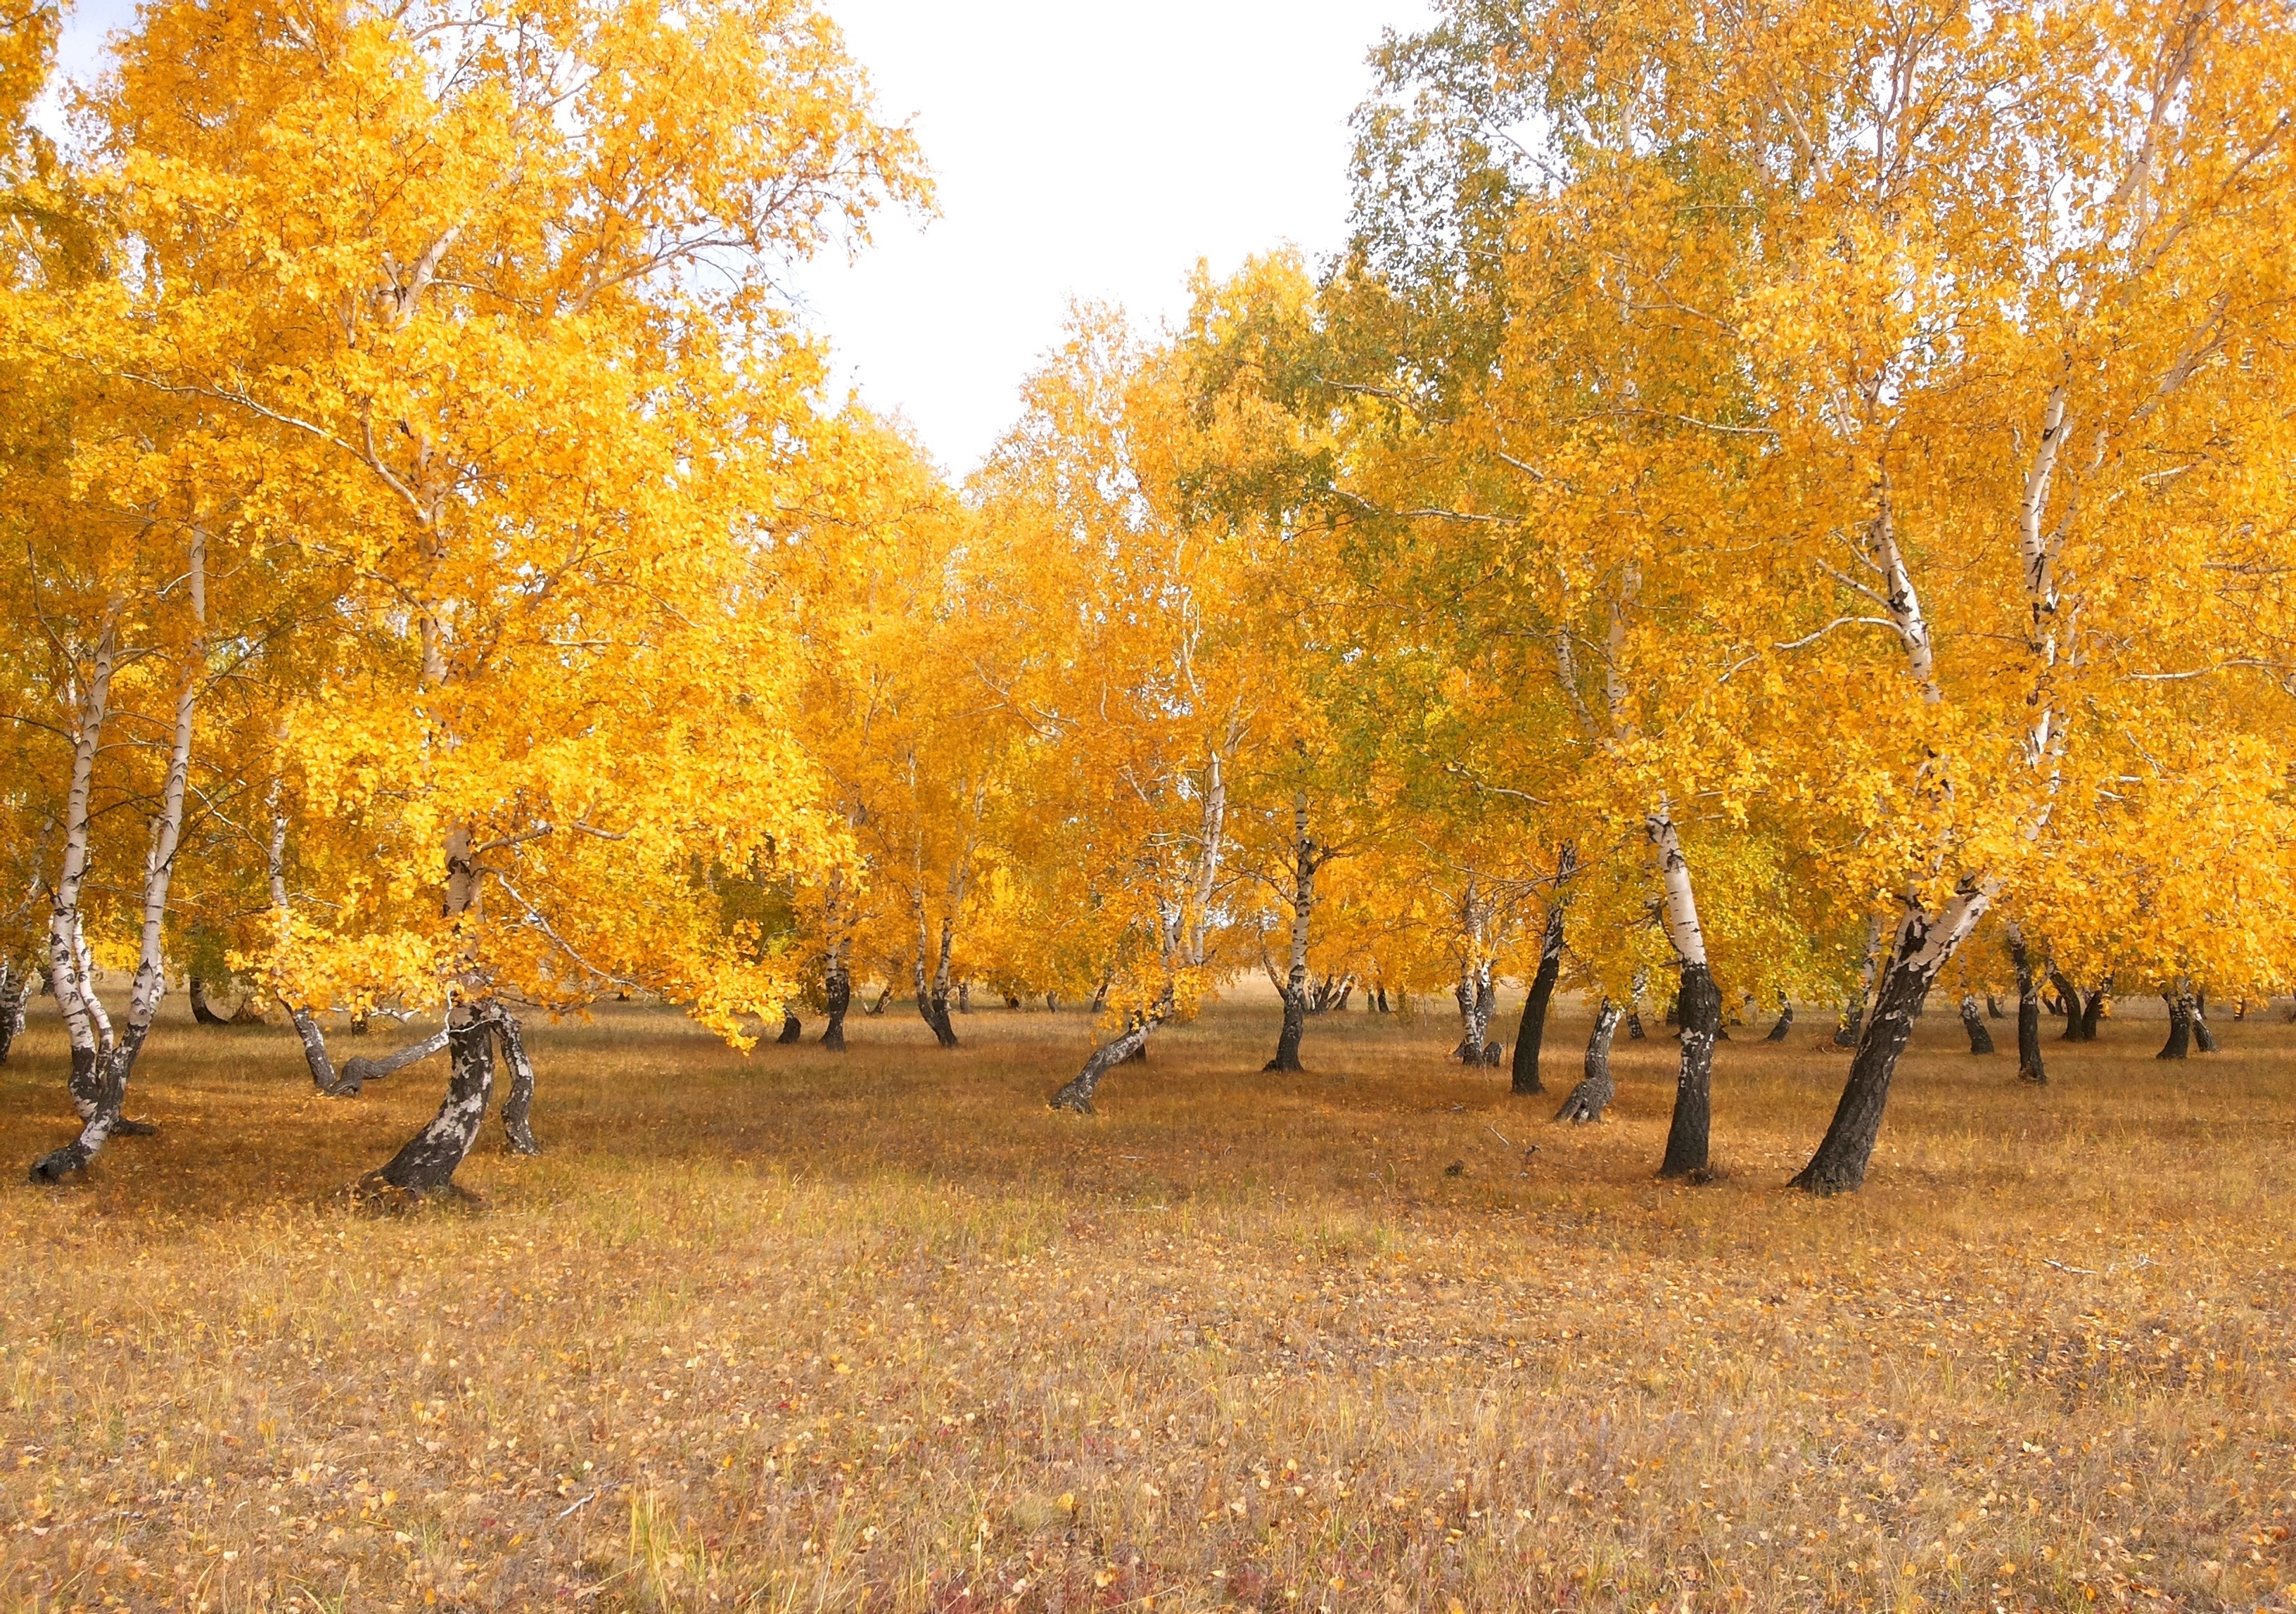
<point>883,1332</point>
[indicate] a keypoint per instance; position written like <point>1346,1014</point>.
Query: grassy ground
<point>882,1331</point>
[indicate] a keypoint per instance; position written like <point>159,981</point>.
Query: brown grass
<point>882,1331</point>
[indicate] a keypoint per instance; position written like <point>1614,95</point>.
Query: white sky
<point>1083,150</point>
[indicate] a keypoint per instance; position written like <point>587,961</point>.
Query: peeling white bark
<point>1681,904</point>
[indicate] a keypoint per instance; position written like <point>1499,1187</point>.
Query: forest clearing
<point>803,1330</point>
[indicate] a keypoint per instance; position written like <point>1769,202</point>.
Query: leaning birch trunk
<point>429,1160</point>
<point>1972,1021</point>
<point>307,1030</point>
<point>202,1012</point>
<point>1596,1089</point>
<point>357,1073</point>
<point>1183,924</point>
<point>1688,1134</point>
<point>2030,1065</point>
<point>932,998</point>
<point>1530,1032</point>
<point>1779,1032</point>
<point>2093,1010</point>
<point>1924,946</point>
<point>2203,1039</point>
<point>792,1028</point>
<point>518,1108</point>
<point>1640,985</point>
<point>148,986</point>
<point>836,978</point>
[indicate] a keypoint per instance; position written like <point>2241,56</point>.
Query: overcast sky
<point>1082,149</point>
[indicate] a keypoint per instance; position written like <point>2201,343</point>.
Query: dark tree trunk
<point>357,1073</point>
<point>1378,1001</point>
<point>201,1013</point>
<point>2180,1026</point>
<point>1784,1027</point>
<point>1347,992</point>
<point>836,997</point>
<point>1100,998</point>
<point>1592,1095</point>
<point>792,1028</point>
<point>518,1108</point>
<point>1635,1031</point>
<point>884,996</point>
<point>1980,1041</point>
<point>2068,995</point>
<point>1993,1008</point>
<point>428,1163</point>
<point>1700,1008</point>
<point>1925,945</point>
<point>1129,1044</point>
<point>933,1009</point>
<point>2093,1011</point>
<point>1052,1002</point>
<point>100,1116</point>
<point>965,997</point>
<point>2203,1038</point>
<point>1295,1028</point>
<point>1851,1025</point>
<point>1010,1001</point>
<point>1531,1032</point>
<point>2029,1066</point>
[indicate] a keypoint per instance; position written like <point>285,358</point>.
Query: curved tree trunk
<point>2029,1066</point>
<point>201,1012</point>
<point>1784,1027</point>
<point>1595,1090</point>
<point>2069,996</point>
<point>2180,1026</point>
<point>1305,858</point>
<point>428,1162</point>
<point>518,1108</point>
<point>1993,1008</point>
<point>1530,1033</point>
<point>884,996</point>
<point>2093,1010</point>
<point>1972,1021</point>
<point>1924,946</point>
<point>1131,1043</point>
<point>792,1028</point>
<point>357,1073</point>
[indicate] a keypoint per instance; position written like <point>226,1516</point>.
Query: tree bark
<point>1993,1008</point>
<point>518,1108</point>
<point>1698,1002</point>
<point>201,1012</point>
<point>1972,1021</point>
<point>2069,996</point>
<point>1530,1032</point>
<point>1784,1027</point>
<point>1295,1028</point>
<point>792,1028</point>
<point>15,990</point>
<point>428,1162</point>
<point>2180,1026</point>
<point>1131,1043</point>
<point>1596,1089</point>
<point>2029,1066</point>
<point>1924,946</point>
<point>2203,1039</point>
<point>357,1073</point>
<point>2093,1010</point>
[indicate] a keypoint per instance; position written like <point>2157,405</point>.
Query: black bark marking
<point>428,1162</point>
<point>1531,1033</point>
<point>518,1108</point>
<point>1980,1040</point>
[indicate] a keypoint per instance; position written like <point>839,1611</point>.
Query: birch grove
<point>1767,509</point>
